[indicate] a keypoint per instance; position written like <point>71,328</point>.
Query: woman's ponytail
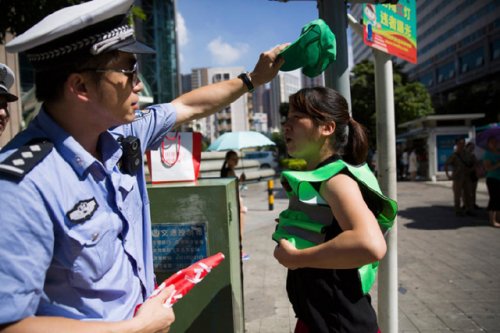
<point>356,149</point>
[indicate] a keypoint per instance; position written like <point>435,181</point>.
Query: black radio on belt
<point>132,156</point>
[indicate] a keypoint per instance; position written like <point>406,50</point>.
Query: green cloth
<point>314,50</point>
<point>384,208</point>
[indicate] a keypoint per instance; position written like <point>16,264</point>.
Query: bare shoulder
<point>341,189</point>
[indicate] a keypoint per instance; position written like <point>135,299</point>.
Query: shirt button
<point>95,235</point>
<point>140,269</point>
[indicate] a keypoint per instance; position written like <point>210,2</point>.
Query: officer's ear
<point>77,86</point>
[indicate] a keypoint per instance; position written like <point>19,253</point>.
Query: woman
<point>330,230</point>
<point>230,162</point>
<point>491,160</point>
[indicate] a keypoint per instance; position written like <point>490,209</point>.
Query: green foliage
<point>293,164</point>
<point>17,16</point>
<point>411,99</point>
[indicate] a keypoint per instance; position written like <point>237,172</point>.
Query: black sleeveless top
<point>331,300</point>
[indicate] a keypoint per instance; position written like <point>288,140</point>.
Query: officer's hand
<point>153,316</point>
<point>287,254</point>
<point>268,66</point>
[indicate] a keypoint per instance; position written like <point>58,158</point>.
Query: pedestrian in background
<point>471,148</point>
<point>404,163</point>
<point>462,164</point>
<point>412,164</point>
<point>323,281</point>
<point>6,82</point>
<point>76,246</point>
<point>491,160</point>
<point>228,170</point>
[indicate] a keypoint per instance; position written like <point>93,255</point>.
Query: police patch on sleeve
<point>83,211</point>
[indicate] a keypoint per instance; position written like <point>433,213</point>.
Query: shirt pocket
<point>94,244</point>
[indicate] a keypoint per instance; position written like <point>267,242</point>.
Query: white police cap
<point>90,28</point>
<point>6,81</point>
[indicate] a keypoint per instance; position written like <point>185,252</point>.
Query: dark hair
<point>324,105</point>
<point>224,170</point>
<point>49,82</point>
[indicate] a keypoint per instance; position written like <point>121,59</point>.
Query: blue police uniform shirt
<point>76,232</point>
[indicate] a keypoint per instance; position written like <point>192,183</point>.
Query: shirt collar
<point>72,151</point>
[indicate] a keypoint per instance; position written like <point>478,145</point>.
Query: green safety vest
<point>304,222</point>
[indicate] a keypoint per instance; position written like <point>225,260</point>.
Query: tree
<point>411,99</point>
<point>17,16</point>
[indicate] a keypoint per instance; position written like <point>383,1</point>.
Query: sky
<point>230,33</point>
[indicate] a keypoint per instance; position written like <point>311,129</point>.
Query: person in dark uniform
<point>332,226</point>
<point>76,245</point>
<point>6,81</point>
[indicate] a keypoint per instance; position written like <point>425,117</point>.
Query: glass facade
<point>160,70</point>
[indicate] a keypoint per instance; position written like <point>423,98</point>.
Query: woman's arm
<point>361,241</point>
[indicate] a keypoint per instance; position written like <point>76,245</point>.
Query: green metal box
<point>192,221</point>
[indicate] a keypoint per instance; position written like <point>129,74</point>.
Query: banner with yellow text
<point>392,28</point>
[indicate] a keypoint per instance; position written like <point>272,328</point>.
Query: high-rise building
<point>458,45</point>
<point>232,118</point>
<point>282,86</point>
<point>158,30</point>
<point>317,81</point>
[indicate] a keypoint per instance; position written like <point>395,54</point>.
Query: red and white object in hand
<point>185,279</point>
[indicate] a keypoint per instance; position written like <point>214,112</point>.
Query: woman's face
<point>301,135</point>
<point>232,161</point>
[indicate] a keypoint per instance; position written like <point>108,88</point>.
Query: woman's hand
<point>287,254</point>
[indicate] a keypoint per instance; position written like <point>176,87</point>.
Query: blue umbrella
<point>240,140</point>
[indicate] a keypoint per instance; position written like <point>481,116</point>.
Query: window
<point>472,60</point>
<point>495,49</point>
<point>427,79</point>
<point>446,72</point>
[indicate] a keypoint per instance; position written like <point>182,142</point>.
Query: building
<point>308,82</point>
<point>234,117</point>
<point>458,46</point>
<point>433,138</point>
<point>158,30</point>
<point>261,109</point>
<point>282,86</point>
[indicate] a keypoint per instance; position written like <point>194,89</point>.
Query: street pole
<point>386,164</point>
<point>334,13</point>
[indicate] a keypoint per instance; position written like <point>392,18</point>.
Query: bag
<point>177,159</point>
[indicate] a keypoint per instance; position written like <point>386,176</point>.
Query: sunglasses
<point>132,74</point>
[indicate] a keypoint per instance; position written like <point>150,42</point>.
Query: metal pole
<point>334,13</point>
<point>270,193</point>
<point>386,153</point>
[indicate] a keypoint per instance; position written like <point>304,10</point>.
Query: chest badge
<point>83,211</point>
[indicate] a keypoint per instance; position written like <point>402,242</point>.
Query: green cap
<point>313,51</point>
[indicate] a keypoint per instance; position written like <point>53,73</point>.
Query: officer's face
<point>4,114</point>
<point>117,91</point>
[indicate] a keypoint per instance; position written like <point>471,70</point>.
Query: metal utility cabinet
<point>192,221</point>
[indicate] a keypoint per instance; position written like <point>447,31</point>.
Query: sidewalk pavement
<point>448,274</point>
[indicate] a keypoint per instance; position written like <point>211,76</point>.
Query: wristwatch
<point>246,80</point>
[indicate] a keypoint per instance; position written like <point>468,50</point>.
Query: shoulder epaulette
<point>25,158</point>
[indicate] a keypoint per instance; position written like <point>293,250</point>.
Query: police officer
<point>6,81</point>
<point>76,242</point>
